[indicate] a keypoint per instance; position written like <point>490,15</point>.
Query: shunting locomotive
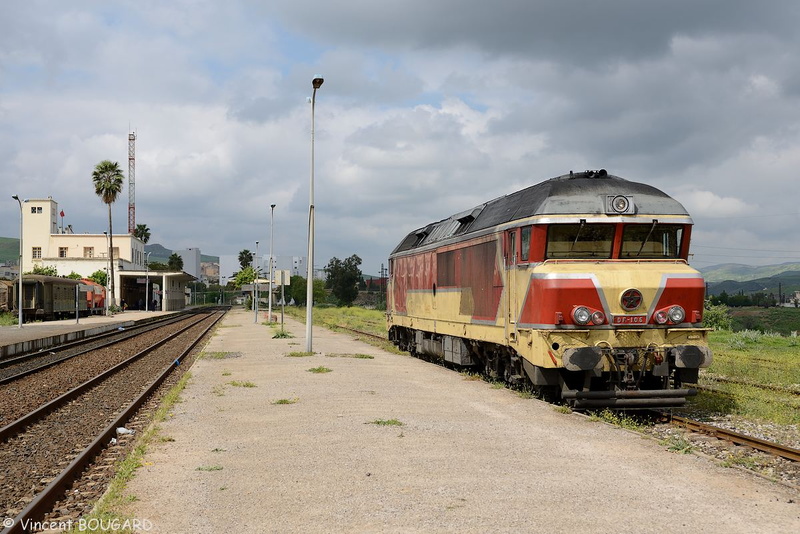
<point>578,286</point>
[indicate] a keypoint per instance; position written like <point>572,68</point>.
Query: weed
<point>677,443</point>
<point>319,370</point>
<point>298,354</point>
<point>218,390</point>
<point>619,419</point>
<point>470,376</point>
<point>226,373</point>
<point>562,409</point>
<point>219,450</point>
<point>209,468</point>
<point>282,334</point>
<point>285,401</point>
<point>241,384</point>
<point>166,439</point>
<point>357,356</point>
<point>385,422</point>
<point>217,355</point>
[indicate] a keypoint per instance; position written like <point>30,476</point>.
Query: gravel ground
<point>467,458</point>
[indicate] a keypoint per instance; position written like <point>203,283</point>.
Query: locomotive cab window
<point>525,244</point>
<point>576,241</point>
<point>651,241</point>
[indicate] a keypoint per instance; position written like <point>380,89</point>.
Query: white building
<point>191,261</point>
<point>46,245</point>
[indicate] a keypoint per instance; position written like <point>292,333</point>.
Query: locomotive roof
<point>583,193</point>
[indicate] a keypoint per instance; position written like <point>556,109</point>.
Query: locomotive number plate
<point>629,319</point>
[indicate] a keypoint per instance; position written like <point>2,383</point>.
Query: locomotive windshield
<point>579,240</point>
<point>651,241</point>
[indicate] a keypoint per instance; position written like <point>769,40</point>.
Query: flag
<point>62,213</point>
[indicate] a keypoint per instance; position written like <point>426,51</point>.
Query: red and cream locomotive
<point>578,286</point>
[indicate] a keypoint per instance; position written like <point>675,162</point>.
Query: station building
<point>47,245</point>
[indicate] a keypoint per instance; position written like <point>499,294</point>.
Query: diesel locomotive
<point>578,286</point>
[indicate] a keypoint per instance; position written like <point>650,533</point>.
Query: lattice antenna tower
<point>131,182</point>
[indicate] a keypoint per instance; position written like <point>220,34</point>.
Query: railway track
<point>769,447</point>
<point>16,367</point>
<point>46,450</point>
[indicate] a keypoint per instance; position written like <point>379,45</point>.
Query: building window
<point>88,252</point>
<point>37,253</point>
<point>36,209</point>
<point>62,252</point>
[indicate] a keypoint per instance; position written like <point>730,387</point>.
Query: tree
<point>343,278</point>
<point>175,262</point>
<point>246,276</point>
<point>73,276</point>
<point>107,179</point>
<point>298,289</point>
<point>45,271</point>
<point>158,266</point>
<point>99,277</point>
<point>245,259</point>
<point>142,232</point>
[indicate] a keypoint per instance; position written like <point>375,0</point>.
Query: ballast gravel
<point>395,444</point>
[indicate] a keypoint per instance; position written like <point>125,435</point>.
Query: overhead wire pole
<point>16,197</point>
<point>255,289</point>
<point>131,182</point>
<point>316,84</point>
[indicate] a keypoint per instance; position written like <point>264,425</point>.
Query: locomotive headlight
<point>660,317</point>
<point>581,315</point>
<point>620,204</point>
<point>598,317</point>
<point>676,314</point>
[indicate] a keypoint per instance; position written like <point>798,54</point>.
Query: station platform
<point>45,334</point>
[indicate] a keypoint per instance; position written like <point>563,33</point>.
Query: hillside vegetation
<point>9,250</point>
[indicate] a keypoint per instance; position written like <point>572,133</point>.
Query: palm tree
<point>245,258</point>
<point>142,232</point>
<point>107,179</point>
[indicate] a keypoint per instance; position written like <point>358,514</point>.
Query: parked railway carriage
<point>51,297</point>
<point>578,285</point>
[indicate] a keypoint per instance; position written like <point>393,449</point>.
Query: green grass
<point>783,320</point>
<point>285,401</point>
<point>209,468</point>
<point>298,354</point>
<point>217,355</point>
<point>356,356</point>
<point>242,384</point>
<point>319,370</point>
<point>386,422</point>
<point>9,319</point>
<point>361,319</point>
<point>769,367</point>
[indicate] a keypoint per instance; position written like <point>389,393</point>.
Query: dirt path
<point>467,458</point>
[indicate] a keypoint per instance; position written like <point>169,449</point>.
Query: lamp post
<point>147,282</point>
<point>255,289</point>
<point>271,236</point>
<point>16,197</point>
<point>316,83</point>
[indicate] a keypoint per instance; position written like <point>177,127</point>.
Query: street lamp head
<point>272,206</point>
<point>15,197</point>
<point>317,81</point>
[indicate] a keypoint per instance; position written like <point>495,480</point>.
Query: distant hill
<point>788,282</point>
<point>9,250</point>
<point>740,273</point>
<point>161,254</point>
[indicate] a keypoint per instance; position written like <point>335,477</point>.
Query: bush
<point>716,316</point>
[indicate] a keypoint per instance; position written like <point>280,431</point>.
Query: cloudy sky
<point>429,107</point>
